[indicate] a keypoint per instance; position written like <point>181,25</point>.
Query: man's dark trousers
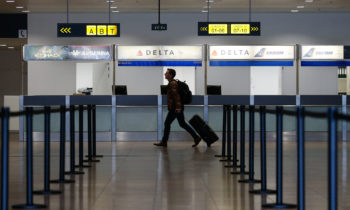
<point>181,119</point>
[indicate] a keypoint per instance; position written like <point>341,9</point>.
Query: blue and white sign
<point>67,52</point>
<point>159,55</point>
<point>322,52</point>
<point>258,52</point>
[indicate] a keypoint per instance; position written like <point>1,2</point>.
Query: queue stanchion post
<point>228,137</point>
<point>332,159</point>
<point>94,146</point>
<point>72,142</point>
<point>5,118</point>
<point>279,164</point>
<point>251,147</point>
<point>263,189</point>
<point>234,136</point>
<point>223,145</point>
<point>89,156</point>
<point>81,138</point>
<point>242,140</point>
<point>62,179</point>
<point>301,157</point>
<point>47,190</point>
<point>29,161</point>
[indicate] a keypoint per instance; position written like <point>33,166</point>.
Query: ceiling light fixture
<point>309,1</point>
<point>294,10</point>
<point>204,10</point>
<point>114,7</point>
<point>26,11</point>
<point>109,1</point>
<point>3,45</point>
<point>210,1</point>
<point>10,1</point>
<point>19,7</point>
<point>115,11</point>
<point>206,7</point>
<point>11,47</point>
<point>300,7</point>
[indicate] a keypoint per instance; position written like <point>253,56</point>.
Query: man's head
<point>170,74</point>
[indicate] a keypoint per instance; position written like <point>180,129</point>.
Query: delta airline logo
<point>322,52</point>
<point>252,52</point>
<point>160,52</point>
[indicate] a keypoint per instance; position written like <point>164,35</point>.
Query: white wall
<point>84,75</point>
<point>277,28</point>
<point>102,79</point>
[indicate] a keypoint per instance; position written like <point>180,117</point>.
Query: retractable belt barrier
<point>5,115</point>
<point>300,114</point>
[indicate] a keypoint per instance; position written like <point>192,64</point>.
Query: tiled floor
<point>137,175</point>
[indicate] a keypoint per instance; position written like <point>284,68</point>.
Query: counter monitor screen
<point>121,90</point>
<point>228,28</point>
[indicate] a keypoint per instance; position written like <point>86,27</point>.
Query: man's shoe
<point>161,144</point>
<point>196,141</point>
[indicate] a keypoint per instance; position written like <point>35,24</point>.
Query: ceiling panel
<point>52,6</point>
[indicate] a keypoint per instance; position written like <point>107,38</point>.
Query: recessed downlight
<point>10,1</point>
<point>19,7</point>
<point>114,7</point>
<point>26,11</point>
<point>300,7</point>
<point>294,10</point>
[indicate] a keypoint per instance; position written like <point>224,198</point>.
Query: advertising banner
<point>251,52</point>
<point>66,52</point>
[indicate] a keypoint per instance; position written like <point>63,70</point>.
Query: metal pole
<point>206,55</point>
<point>5,118</point>
<point>301,158</point>
<point>279,163</point>
<point>228,138</point>
<point>46,190</point>
<point>251,147</point>
<point>81,138</point>
<point>234,152</point>
<point>114,58</point>
<point>90,143</point>
<point>223,145</point>
<point>297,49</point>
<point>263,189</point>
<point>242,137</point>
<point>29,204</point>
<point>72,142</point>
<point>62,148</point>
<point>332,159</point>
<point>94,132</point>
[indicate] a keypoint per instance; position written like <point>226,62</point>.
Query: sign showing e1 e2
<point>229,29</point>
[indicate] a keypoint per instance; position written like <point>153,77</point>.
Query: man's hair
<point>172,72</point>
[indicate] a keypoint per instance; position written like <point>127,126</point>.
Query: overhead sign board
<point>159,52</point>
<point>257,52</point>
<point>229,29</point>
<point>159,27</point>
<point>88,30</point>
<point>67,52</point>
<point>322,52</point>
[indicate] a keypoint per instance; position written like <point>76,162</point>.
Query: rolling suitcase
<point>205,132</point>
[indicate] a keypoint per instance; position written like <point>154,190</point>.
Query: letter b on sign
<point>102,30</point>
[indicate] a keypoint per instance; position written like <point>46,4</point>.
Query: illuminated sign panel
<point>159,53</point>
<point>229,29</point>
<point>67,52</point>
<point>88,30</point>
<point>257,52</point>
<point>322,52</point>
<point>159,27</point>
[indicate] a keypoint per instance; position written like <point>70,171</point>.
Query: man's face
<point>167,75</point>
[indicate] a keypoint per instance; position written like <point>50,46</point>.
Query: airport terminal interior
<point>86,96</point>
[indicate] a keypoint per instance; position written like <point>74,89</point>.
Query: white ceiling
<point>125,6</point>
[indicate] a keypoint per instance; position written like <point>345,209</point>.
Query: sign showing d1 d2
<point>88,30</point>
<point>229,28</point>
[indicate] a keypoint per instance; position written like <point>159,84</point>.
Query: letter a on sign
<point>91,30</point>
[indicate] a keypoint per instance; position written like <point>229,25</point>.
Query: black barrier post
<point>279,164</point>
<point>29,204</point>
<point>228,137</point>
<point>94,133</point>
<point>72,142</point>
<point>242,137</point>
<point>332,159</point>
<point>5,118</point>
<point>223,145</point>
<point>251,147</point>
<point>46,190</point>
<point>263,189</point>
<point>90,137</point>
<point>81,138</point>
<point>62,147</point>
<point>301,158</point>
<point>234,139</point>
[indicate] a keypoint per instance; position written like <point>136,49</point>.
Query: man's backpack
<point>184,92</point>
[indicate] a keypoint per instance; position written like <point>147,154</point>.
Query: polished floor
<point>137,175</point>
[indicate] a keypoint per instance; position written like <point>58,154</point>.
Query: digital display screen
<point>229,28</point>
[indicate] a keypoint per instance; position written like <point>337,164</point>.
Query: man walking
<point>175,110</point>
